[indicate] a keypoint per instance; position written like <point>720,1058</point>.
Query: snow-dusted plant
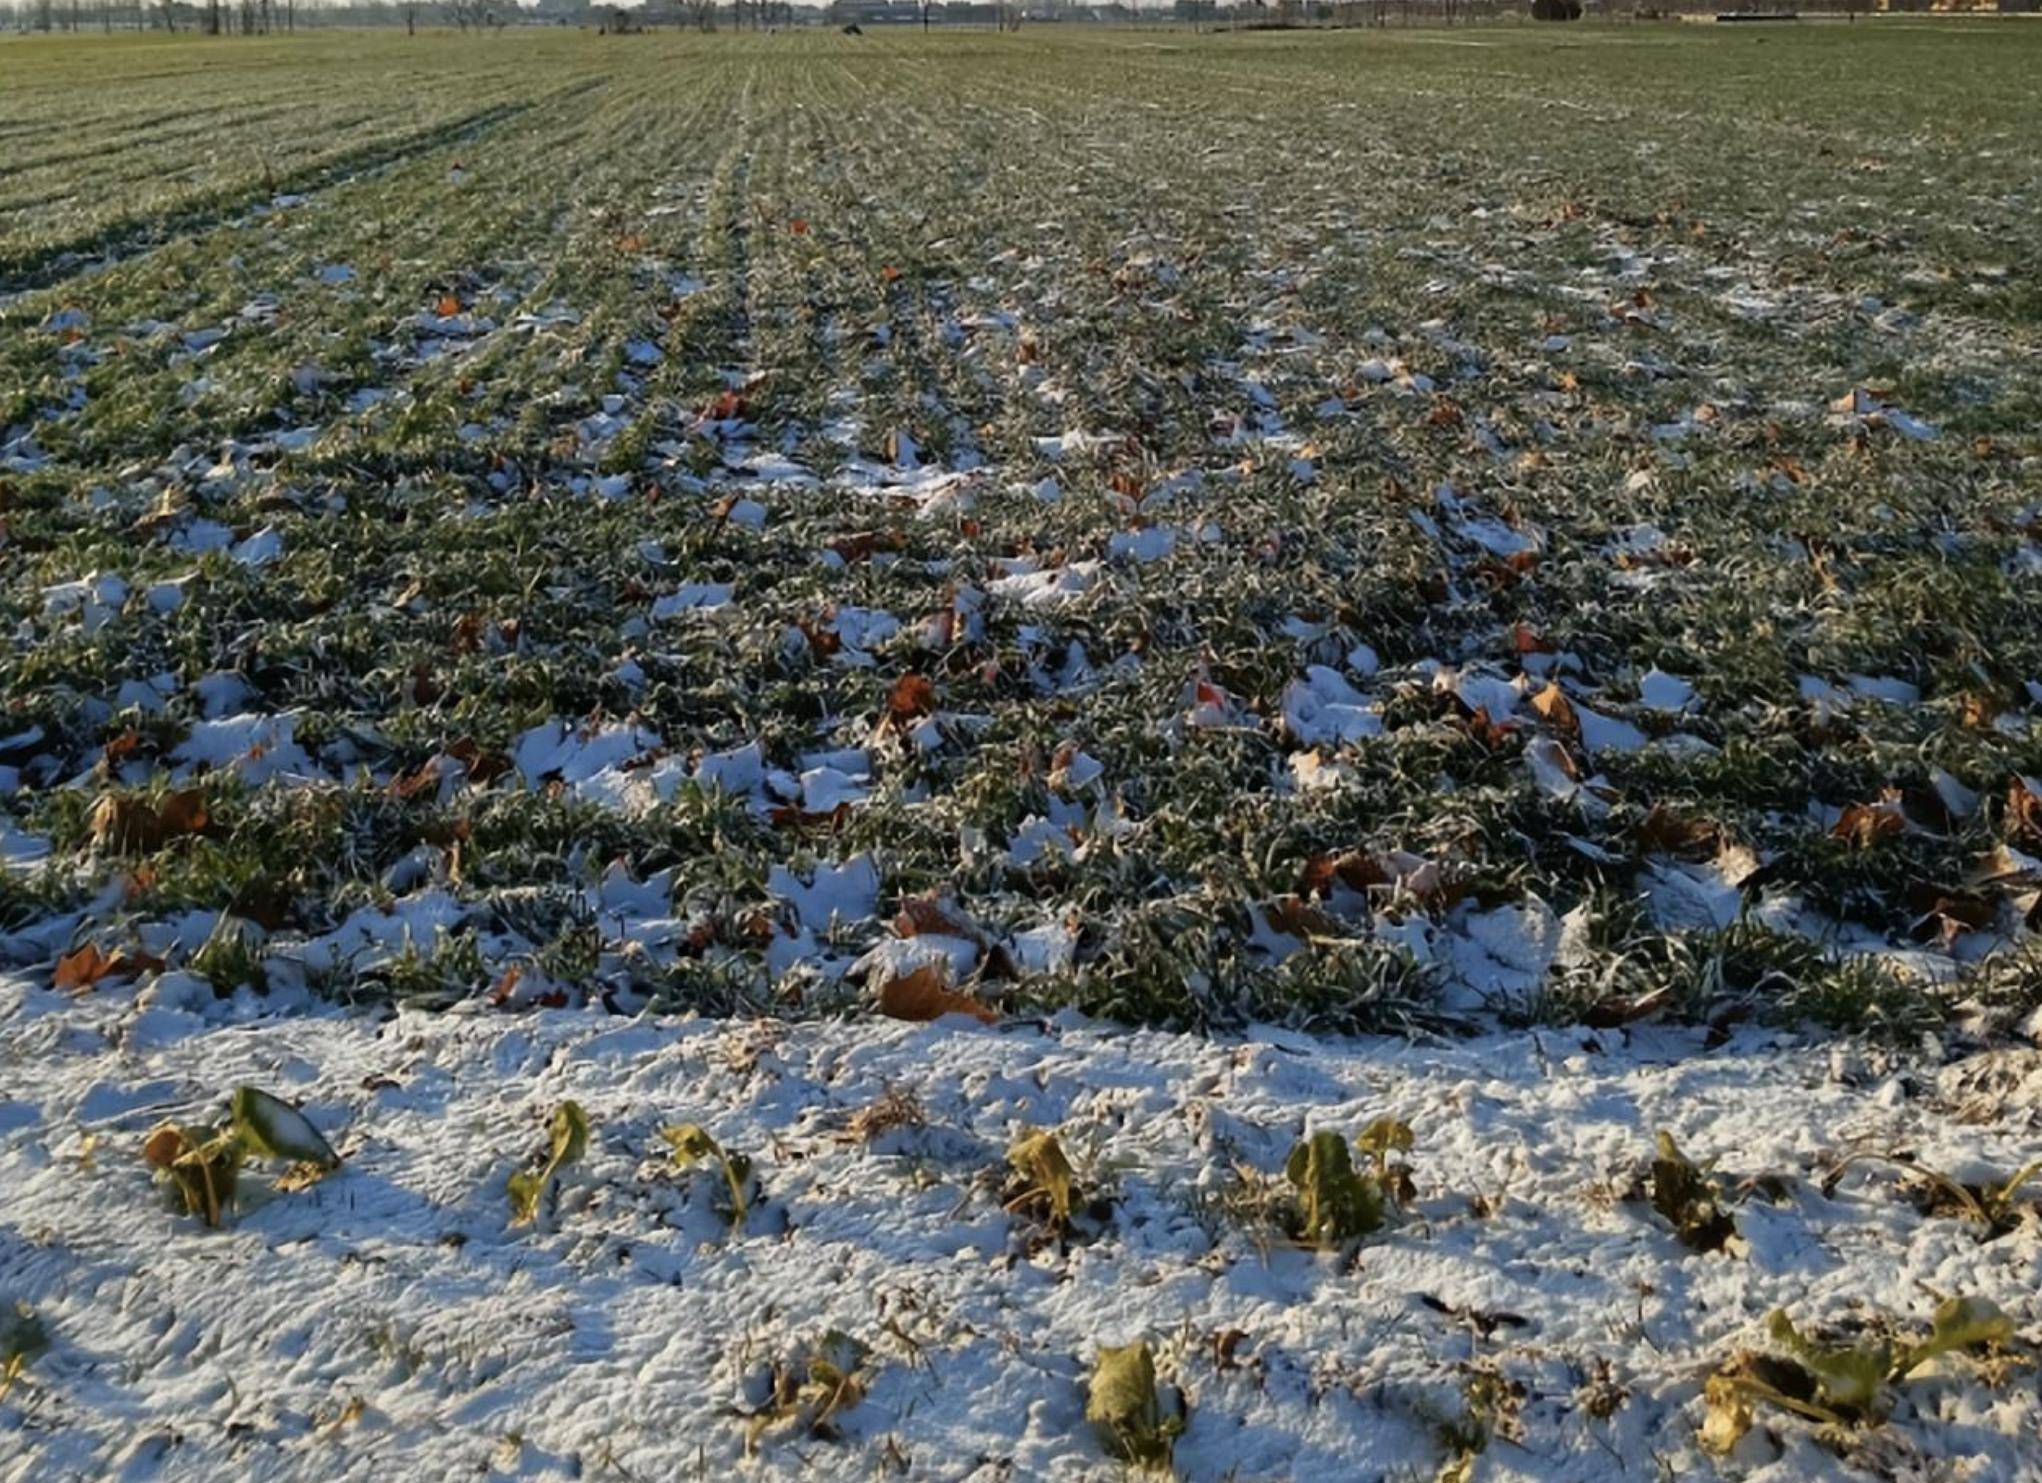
<point>566,1140</point>
<point>1334,1201</point>
<point>692,1145</point>
<point>201,1165</point>
<point>1138,1420</point>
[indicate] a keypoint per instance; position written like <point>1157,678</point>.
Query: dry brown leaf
<point>1378,871</point>
<point>483,767</point>
<point>425,778</point>
<point>1491,733</point>
<point>81,969</point>
<point>923,995</point>
<point>2024,811</point>
<point>506,984</point>
<point>161,1148</point>
<point>912,697</point>
<point>1557,711</point>
<point>1864,824</point>
<point>860,545</point>
<point>1942,916</point>
<point>135,826</point>
<point>1299,918</point>
<point>1666,831</point>
<point>934,915</point>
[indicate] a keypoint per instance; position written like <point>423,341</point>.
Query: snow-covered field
<point>1160,542</point>
<point>389,1322</point>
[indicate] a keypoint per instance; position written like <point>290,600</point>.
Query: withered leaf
<point>923,995</point>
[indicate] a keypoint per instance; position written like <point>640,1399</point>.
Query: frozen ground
<point>389,1323</point>
<point>1347,531</point>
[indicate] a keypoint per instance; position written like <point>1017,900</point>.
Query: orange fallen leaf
<point>1864,824</point>
<point>1976,710</point>
<point>425,778</point>
<point>506,985</point>
<point>933,915</point>
<point>1491,733</point>
<point>80,970</point>
<point>922,995</point>
<point>162,1147</point>
<point>121,747</point>
<point>1557,711</point>
<point>860,545</point>
<point>1942,916</point>
<point>1665,831</point>
<point>2024,810</point>
<point>135,826</point>
<point>912,696</point>
<point>1299,918</point>
<point>1364,871</point>
<point>483,767</point>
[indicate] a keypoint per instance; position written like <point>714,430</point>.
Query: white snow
<point>848,892</point>
<point>1324,707</point>
<point>254,747</point>
<point>1661,691</point>
<point>1600,733</point>
<point>1151,543</point>
<point>693,597</point>
<point>388,1322</point>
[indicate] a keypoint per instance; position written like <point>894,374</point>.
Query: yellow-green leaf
<point>1039,1160</point>
<point>1126,1410</point>
<point>566,1141</point>
<point>1335,1204</point>
<point>1959,1323</point>
<point>273,1127</point>
<point>692,1144</point>
<point>1848,1377</point>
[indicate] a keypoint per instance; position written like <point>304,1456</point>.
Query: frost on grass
<point>660,534</point>
<point>611,537</point>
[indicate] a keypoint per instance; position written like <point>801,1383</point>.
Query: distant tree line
<point>264,17</point>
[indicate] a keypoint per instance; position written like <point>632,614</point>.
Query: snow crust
<point>389,1323</point>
